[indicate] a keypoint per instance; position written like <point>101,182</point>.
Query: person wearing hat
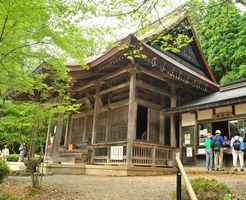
<point>5,153</point>
<point>218,141</point>
<point>209,152</point>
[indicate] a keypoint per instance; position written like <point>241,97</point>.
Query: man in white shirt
<point>235,144</point>
<point>5,153</point>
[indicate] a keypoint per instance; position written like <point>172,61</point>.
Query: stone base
<point>106,170</point>
<point>75,169</point>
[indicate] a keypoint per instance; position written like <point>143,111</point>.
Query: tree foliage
<point>32,32</point>
<point>221,29</point>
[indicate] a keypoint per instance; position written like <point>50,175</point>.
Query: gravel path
<point>71,187</point>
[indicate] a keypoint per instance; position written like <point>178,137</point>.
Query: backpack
<point>217,144</point>
<point>243,146</point>
<point>236,145</point>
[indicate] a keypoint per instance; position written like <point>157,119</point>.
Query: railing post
<point>179,184</point>
<point>153,156</point>
<point>186,180</point>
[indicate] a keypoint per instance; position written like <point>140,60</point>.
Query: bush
<point>8,197</point>
<point>209,189</point>
<point>13,157</point>
<point>4,170</point>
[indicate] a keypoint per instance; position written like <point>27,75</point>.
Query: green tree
<point>32,32</point>
<point>221,29</point>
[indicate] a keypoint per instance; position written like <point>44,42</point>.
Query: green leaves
<point>221,31</point>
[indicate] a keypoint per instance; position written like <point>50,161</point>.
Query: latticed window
<point>101,127</point>
<point>89,126</point>
<point>188,53</point>
<point>119,124</point>
<point>77,130</point>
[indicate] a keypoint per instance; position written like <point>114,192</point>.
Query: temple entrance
<point>142,118</point>
<point>222,126</point>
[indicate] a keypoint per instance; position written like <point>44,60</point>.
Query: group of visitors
<point>215,151</point>
<point>5,152</point>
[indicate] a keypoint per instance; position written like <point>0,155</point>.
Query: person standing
<point>236,152</point>
<point>5,153</point>
<point>209,152</point>
<point>218,141</point>
<point>23,152</point>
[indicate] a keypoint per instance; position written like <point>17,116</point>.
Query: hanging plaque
<point>116,153</point>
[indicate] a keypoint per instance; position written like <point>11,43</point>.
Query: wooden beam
<point>132,118</point>
<point>120,96</point>
<point>152,88</point>
<point>148,97</point>
<point>149,104</point>
<point>163,77</point>
<point>117,87</point>
<point>88,103</point>
<point>101,79</point>
<point>119,104</point>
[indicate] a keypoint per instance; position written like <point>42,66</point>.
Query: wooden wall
<point>119,124</point>
<point>154,125</point>
<point>81,132</point>
<point>101,127</point>
<point>77,130</point>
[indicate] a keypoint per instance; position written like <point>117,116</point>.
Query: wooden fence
<point>144,154</point>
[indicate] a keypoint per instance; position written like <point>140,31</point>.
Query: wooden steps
<point>74,156</point>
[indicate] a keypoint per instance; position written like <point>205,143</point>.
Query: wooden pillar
<point>69,137</point>
<point>148,124</point>
<point>67,132</point>
<point>47,141</point>
<point>153,156</point>
<point>57,138</point>
<point>132,118</point>
<point>95,116</point>
<point>162,129</point>
<point>84,129</point>
<point>173,141</point>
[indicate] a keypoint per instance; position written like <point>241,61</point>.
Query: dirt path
<point>123,188</point>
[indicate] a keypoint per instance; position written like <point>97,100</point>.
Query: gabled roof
<point>144,36</point>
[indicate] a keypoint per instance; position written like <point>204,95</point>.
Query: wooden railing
<point>149,154</point>
<point>101,153</point>
<point>144,154</point>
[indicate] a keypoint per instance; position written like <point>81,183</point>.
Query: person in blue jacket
<point>218,141</point>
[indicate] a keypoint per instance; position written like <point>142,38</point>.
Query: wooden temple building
<point>140,105</point>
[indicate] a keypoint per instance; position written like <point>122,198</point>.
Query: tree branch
<point>4,25</point>
<point>16,48</point>
<point>130,12</point>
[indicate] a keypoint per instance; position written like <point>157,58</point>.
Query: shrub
<point>13,157</point>
<point>8,197</point>
<point>209,189</point>
<point>4,170</point>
